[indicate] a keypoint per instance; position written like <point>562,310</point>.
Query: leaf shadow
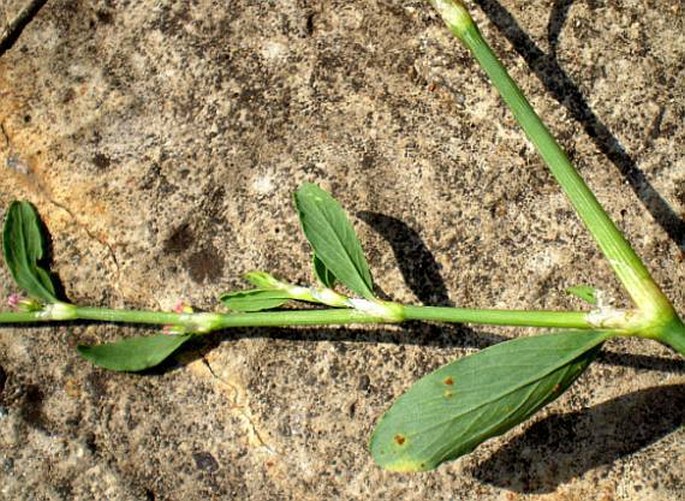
<point>561,447</point>
<point>420,270</point>
<point>567,93</point>
<point>47,261</point>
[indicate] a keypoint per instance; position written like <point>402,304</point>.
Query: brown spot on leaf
<point>448,381</point>
<point>400,439</point>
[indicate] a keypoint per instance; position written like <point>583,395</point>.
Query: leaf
<point>322,274</point>
<point>23,248</point>
<point>585,292</point>
<point>133,354</point>
<point>263,280</point>
<point>255,299</point>
<point>447,413</point>
<point>333,239</point>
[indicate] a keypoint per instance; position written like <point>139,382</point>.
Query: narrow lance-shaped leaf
<point>133,354</point>
<point>333,239</point>
<point>447,413</point>
<point>23,248</point>
<point>255,299</point>
<point>263,280</point>
<point>271,293</point>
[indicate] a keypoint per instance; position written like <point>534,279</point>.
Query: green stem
<point>215,321</point>
<point>205,322</point>
<point>673,334</point>
<point>200,322</point>
<point>20,317</point>
<point>551,319</point>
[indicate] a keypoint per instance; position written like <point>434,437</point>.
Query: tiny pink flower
<point>14,300</point>
<point>182,307</point>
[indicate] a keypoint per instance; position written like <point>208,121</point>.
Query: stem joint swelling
<point>199,323</point>
<point>385,311</point>
<point>449,411</point>
<point>58,312</point>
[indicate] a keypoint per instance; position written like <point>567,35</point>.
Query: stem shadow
<point>562,88</point>
<point>16,27</point>
<point>410,333</point>
<point>565,446</point>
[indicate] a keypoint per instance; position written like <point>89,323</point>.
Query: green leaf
<point>254,300</point>
<point>447,413</point>
<point>263,280</point>
<point>333,239</point>
<point>322,274</point>
<point>23,248</point>
<point>133,354</point>
<point>585,292</point>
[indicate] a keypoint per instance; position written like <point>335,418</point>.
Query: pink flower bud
<point>14,300</point>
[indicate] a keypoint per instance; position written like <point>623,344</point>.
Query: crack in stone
<point>241,408</point>
<point>15,163</point>
<point>101,241</point>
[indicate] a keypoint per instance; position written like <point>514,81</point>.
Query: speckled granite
<point>161,142</point>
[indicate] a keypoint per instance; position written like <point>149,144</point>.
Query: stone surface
<point>161,142</point>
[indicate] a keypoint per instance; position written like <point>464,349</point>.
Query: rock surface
<point>161,142</point>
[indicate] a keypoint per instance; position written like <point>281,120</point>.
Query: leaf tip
<point>395,451</point>
<point>587,293</point>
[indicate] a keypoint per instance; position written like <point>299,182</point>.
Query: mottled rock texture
<point>161,142</point>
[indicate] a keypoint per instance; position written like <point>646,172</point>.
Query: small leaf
<point>254,300</point>
<point>23,248</point>
<point>333,239</point>
<point>585,292</point>
<point>263,280</point>
<point>322,274</point>
<point>447,413</point>
<point>133,354</point>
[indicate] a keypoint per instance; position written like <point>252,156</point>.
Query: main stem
<point>206,322</point>
<point>627,265</point>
